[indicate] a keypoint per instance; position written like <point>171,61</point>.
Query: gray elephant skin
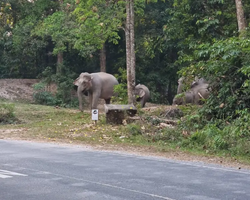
<point>98,85</point>
<point>180,85</point>
<point>199,91</point>
<point>143,94</point>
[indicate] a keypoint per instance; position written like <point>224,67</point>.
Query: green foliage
<point>23,55</point>
<point>225,64</point>
<point>7,115</point>
<point>213,138</point>
<point>134,129</point>
<point>214,53</point>
<point>154,121</point>
<point>42,96</point>
<point>99,22</point>
<point>120,90</point>
<point>216,136</point>
<point>60,26</point>
<point>63,94</point>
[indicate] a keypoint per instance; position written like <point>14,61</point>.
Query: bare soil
<point>17,89</point>
<point>22,90</point>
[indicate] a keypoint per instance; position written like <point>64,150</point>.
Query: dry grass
<point>58,124</point>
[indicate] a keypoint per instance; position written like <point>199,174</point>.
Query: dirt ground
<point>22,90</point>
<point>17,89</point>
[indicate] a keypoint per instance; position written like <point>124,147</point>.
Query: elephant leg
<point>107,101</point>
<point>90,100</point>
<point>143,103</point>
<point>189,97</point>
<point>95,99</point>
<point>79,94</point>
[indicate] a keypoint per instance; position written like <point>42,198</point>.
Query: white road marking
<point>105,184</point>
<point>9,174</point>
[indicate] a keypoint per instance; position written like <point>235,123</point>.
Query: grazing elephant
<point>143,92</point>
<point>200,81</point>
<point>98,85</point>
<point>185,98</point>
<point>199,90</point>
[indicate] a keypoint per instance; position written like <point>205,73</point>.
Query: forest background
<point>57,40</point>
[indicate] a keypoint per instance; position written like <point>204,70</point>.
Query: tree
<point>103,58</point>
<point>25,55</point>
<point>130,50</point>
<point>61,28</point>
<point>240,15</point>
<point>99,22</point>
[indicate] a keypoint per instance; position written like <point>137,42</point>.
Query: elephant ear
<point>87,77</point>
<point>141,93</point>
<point>83,78</point>
<point>77,82</point>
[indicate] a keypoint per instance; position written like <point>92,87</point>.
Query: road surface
<point>40,171</point>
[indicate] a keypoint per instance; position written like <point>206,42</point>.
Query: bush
<point>120,90</point>
<point>42,96</point>
<point>134,129</point>
<point>64,92</point>
<point>7,115</point>
<point>64,82</point>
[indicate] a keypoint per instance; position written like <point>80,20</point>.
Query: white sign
<point>9,174</point>
<point>94,114</point>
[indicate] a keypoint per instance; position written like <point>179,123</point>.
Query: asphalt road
<point>40,171</point>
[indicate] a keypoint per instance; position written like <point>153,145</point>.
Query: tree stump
<point>115,114</point>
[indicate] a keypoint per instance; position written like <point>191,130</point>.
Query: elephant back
<point>105,83</point>
<point>145,88</point>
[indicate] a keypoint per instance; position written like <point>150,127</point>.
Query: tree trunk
<point>103,59</point>
<point>59,63</point>
<point>130,52</point>
<point>240,15</point>
<point>132,46</point>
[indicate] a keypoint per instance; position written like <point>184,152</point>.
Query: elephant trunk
<point>79,94</point>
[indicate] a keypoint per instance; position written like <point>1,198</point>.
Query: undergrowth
<point>7,115</point>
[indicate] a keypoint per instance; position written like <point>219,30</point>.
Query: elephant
<point>144,94</point>
<point>180,85</point>
<point>198,81</point>
<point>199,90</point>
<point>185,98</point>
<point>98,85</point>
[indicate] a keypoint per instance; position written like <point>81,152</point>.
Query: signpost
<point>95,115</point>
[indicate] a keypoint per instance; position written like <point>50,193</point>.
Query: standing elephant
<point>143,92</point>
<point>98,85</point>
<point>199,90</point>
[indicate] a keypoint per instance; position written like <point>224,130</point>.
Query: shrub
<point>7,115</point>
<point>120,90</point>
<point>41,96</point>
<point>134,129</point>
<point>64,82</point>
